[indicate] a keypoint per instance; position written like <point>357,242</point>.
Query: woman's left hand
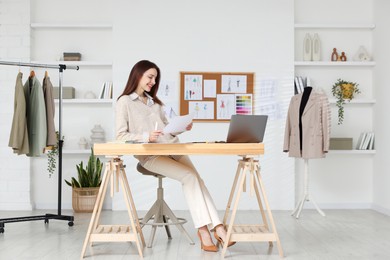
<point>189,126</point>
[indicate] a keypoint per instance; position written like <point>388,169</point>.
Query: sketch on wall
<point>167,93</point>
<point>233,84</point>
<point>225,106</point>
<point>201,109</point>
<point>193,87</point>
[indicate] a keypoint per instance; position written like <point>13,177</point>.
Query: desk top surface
<point>118,149</point>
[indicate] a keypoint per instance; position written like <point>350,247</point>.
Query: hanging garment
<point>50,111</point>
<point>18,139</point>
<point>315,127</point>
<point>36,116</point>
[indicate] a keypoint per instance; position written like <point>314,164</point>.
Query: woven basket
<point>83,199</point>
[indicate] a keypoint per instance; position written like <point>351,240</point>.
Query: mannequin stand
<point>306,197</point>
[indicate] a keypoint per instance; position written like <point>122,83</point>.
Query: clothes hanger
<point>32,73</point>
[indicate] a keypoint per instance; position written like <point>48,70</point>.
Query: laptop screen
<point>247,128</point>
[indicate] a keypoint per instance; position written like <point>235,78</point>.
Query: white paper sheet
<point>178,124</point>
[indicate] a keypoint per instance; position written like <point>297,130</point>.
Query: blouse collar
<point>135,96</point>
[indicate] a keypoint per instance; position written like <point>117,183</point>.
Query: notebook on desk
<point>247,129</point>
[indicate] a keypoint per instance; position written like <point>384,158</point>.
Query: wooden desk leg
<point>114,233</point>
<point>134,211</point>
<point>271,219</point>
<point>99,200</point>
<point>256,187</point>
<point>227,211</point>
<point>245,232</point>
<point>235,205</point>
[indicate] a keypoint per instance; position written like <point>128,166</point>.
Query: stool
<point>160,212</point>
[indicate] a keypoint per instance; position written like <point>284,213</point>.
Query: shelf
<point>356,101</point>
<point>334,26</point>
<point>71,26</point>
<point>76,151</point>
<point>351,152</point>
<point>85,101</point>
<point>335,63</point>
<point>77,63</point>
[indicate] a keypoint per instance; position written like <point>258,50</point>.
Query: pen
<point>155,127</point>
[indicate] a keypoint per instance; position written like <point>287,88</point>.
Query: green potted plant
<point>344,90</point>
<point>86,187</point>
<point>52,154</point>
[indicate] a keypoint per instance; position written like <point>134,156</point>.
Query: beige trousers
<point>180,168</point>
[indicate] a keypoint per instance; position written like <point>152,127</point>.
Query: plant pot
<point>348,90</point>
<point>83,199</point>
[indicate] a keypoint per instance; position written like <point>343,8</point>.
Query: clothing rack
<point>58,216</point>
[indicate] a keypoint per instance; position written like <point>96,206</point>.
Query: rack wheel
<point>46,221</point>
<point>70,224</point>
<point>1,230</point>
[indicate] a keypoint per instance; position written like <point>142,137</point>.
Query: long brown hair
<point>135,76</point>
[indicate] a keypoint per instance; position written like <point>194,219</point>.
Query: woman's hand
<point>153,136</point>
<point>189,126</point>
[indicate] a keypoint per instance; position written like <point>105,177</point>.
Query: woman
<point>140,117</point>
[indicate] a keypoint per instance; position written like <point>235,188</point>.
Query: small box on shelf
<point>67,92</point>
<point>344,143</point>
<point>72,56</point>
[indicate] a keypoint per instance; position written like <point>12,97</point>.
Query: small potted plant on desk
<point>86,188</point>
<point>344,90</point>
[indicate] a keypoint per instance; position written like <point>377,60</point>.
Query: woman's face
<point>147,81</point>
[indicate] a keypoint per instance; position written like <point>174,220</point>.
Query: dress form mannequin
<point>297,211</point>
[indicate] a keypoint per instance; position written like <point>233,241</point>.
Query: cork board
<point>215,96</point>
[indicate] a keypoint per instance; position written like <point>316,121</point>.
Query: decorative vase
<point>97,135</point>
<point>316,48</point>
<point>361,55</point>
<point>347,90</point>
<point>83,143</point>
<point>89,95</point>
<point>307,48</point>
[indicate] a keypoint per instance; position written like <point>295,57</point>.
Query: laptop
<point>247,128</point>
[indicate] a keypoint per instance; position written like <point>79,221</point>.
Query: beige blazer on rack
<point>18,139</point>
<point>315,127</point>
<point>50,111</point>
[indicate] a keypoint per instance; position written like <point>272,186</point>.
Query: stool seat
<point>144,171</point>
<point>160,212</point>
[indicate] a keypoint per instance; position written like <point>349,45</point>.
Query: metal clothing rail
<point>58,216</point>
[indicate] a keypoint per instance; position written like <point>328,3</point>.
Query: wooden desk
<point>262,232</point>
<point>115,149</point>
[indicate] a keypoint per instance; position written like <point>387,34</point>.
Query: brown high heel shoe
<point>212,248</point>
<point>219,239</point>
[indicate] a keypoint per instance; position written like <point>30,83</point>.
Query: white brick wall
<point>14,46</point>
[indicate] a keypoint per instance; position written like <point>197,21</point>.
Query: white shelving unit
<point>343,177</point>
<point>327,65</point>
<point>94,41</point>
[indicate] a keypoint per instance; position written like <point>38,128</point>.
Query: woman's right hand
<point>153,136</point>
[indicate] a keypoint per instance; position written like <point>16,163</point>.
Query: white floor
<point>342,234</point>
